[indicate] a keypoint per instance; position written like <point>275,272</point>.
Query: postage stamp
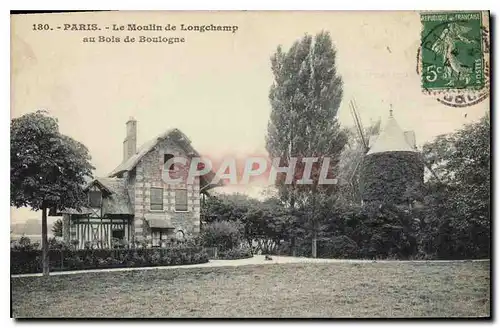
<point>453,58</point>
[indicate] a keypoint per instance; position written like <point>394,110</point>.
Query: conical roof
<point>391,138</point>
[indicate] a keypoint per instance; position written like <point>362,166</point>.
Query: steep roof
<point>118,201</point>
<point>116,197</point>
<point>391,138</point>
<point>176,136</point>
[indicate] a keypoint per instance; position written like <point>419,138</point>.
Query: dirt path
<point>256,260</point>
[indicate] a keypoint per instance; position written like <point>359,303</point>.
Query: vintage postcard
<point>247,164</point>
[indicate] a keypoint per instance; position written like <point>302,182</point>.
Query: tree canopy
<point>47,167</point>
<point>457,207</point>
<point>305,97</point>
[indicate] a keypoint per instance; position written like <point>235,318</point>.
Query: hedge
<point>235,254</point>
<point>29,261</point>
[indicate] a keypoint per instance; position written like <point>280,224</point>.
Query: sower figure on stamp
<point>445,46</point>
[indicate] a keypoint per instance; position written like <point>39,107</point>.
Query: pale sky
<point>214,87</point>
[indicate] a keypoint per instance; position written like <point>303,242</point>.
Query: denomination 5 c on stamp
<point>453,57</point>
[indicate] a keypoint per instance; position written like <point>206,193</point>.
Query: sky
<point>214,87</point>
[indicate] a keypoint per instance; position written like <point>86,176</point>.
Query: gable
<point>178,141</point>
<point>173,135</point>
<point>115,199</point>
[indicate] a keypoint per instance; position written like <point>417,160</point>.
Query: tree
<point>57,228</point>
<point>48,169</point>
<point>458,196</point>
<point>462,162</point>
<point>225,235</point>
<point>265,222</point>
<point>305,97</point>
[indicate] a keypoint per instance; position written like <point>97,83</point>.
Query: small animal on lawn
<point>268,258</point>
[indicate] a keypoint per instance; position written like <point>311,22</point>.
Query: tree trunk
<point>314,243</point>
<point>314,225</point>
<point>45,243</point>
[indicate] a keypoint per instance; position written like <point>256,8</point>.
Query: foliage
<point>305,97</point>
<point>266,219</point>
<point>456,214</point>
<point>57,228</point>
<point>47,167</point>
<point>224,235</point>
<point>372,231</point>
<point>235,253</point>
<point>62,259</point>
<point>24,244</point>
<point>392,177</point>
<point>449,217</point>
<point>338,247</point>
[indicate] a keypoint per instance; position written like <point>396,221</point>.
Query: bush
<point>454,239</point>
<point>224,235</point>
<point>236,254</point>
<point>381,231</point>
<point>341,247</point>
<point>64,259</point>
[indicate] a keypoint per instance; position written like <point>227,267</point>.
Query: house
<point>134,203</point>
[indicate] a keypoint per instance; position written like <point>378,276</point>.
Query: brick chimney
<point>130,142</point>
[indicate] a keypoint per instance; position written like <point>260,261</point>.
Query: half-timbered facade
<point>134,202</point>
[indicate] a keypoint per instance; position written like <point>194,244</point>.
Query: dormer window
<point>167,157</point>
<point>95,198</point>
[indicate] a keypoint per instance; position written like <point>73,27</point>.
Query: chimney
<point>130,143</point>
<point>410,139</point>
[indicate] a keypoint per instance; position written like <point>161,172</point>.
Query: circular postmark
<point>453,60</point>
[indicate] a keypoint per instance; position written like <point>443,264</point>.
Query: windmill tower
<point>392,169</point>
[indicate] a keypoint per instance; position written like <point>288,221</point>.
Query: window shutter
<point>156,199</point>
<point>181,200</point>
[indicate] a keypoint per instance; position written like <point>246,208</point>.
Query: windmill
<point>392,160</point>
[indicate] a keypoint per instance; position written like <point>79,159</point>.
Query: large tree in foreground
<point>305,97</point>
<point>48,169</point>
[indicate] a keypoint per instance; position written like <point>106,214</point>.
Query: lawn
<point>273,290</point>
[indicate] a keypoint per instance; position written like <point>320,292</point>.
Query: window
<point>167,157</point>
<point>181,200</point>
<point>156,199</point>
<point>118,234</point>
<point>158,235</point>
<point>95,198</point>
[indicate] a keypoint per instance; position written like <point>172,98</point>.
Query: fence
<point>211,252</point>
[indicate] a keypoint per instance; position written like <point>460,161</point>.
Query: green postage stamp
<point>452,54</point>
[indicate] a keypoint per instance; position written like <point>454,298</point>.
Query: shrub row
<point>235,254</point>
<point>30,261</point>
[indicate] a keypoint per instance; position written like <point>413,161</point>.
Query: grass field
<point>276,290</point>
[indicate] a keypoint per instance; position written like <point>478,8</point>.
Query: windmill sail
<point>364,140</point>
<point>359,125</point>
